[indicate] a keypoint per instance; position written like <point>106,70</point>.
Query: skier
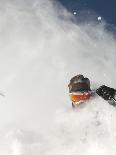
<point>79,90</point>
<point>108,94</point>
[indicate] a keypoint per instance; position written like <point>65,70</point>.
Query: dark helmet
<point>79,83</point>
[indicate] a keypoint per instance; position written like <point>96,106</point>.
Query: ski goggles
<point>80,96</point>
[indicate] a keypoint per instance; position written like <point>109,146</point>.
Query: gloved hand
<point>105,92</point>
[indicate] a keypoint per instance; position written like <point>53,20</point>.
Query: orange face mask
<point>80,97</point>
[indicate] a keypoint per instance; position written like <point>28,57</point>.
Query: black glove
<point>105,92</point>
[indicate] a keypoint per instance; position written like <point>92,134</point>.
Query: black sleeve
<point>105,92</point>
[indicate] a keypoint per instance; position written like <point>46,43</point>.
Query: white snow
<point>74,12</point>
<point>40,50</point>
<point>99,18</point>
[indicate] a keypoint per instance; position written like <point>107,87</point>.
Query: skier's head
<point>79,83</point>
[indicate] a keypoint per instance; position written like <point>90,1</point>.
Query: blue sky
<point>104,8</point>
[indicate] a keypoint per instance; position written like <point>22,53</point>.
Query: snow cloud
<point>41,48</point>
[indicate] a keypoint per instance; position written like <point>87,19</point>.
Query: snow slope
<point>40,50</point>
